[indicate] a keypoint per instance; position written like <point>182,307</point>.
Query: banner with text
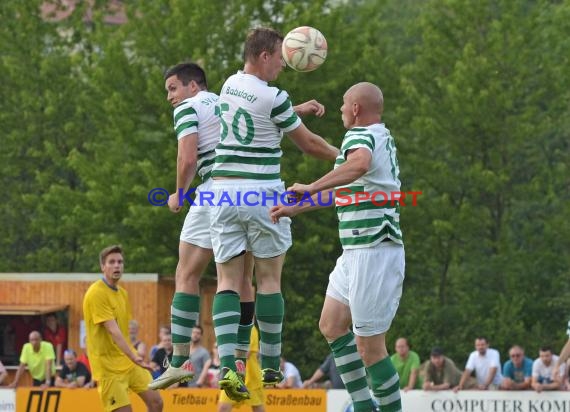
<point>467,401</point>
<point>7,400</point>
<point>175,400</point>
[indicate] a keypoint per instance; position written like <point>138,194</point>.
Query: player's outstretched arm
<point>357,164</point>
<point>310,107</point>
<point>302,203</point>
<point>312,144</point>
<point>186,164</point>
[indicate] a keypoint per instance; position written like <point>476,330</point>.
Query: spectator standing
<point>200,359</point>
<point>56,334</point>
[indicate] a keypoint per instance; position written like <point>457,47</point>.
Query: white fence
<point>467,401</point>
<point>7,400</point>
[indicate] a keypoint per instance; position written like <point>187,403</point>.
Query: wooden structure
<point>150,296</point>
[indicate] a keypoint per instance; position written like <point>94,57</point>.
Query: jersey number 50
<point>238,115</point>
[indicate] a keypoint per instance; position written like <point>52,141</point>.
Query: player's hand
<point>173,203</point>
<point>12,385</point>
<point>147,366</point>
<point>310,107</point>
<point>277,212</point>
<point>300,190</point>
<point>140,362</point>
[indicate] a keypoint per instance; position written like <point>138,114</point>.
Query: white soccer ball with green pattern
<point>304,49</point>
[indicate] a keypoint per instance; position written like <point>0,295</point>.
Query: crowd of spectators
<point>484,371</point>
<point>51,363</point>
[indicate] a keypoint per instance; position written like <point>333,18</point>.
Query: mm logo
<point>43,401</point>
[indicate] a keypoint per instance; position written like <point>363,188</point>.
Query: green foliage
<point>476,95</point>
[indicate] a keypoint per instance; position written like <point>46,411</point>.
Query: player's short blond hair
<point>107,251</point>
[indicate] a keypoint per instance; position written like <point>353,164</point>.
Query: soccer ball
<point>304,49</point>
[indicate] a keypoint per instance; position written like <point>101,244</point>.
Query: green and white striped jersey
<point>198,115</point>
<point>254,117</point>
<point>366,222</point>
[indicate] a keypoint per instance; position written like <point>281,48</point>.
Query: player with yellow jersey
<point>115,364</point>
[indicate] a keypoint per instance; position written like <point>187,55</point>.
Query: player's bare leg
<point>152,400</point>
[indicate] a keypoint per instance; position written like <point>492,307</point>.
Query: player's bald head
<point>35,338</point>
<point>35,335</point>
<point>368,96</point>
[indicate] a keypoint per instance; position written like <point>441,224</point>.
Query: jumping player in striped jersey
<point>197,128</point>
<point>254,116</point>
<point>366,284</point>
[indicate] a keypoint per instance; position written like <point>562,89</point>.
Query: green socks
<point>386,385</point>
<point>352,372</point>
<point>184,314</point>
<point>226,316</point>
<point>270,310</point>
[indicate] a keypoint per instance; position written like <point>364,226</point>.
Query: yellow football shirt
<point>36,361</point>
<point>100,304</point>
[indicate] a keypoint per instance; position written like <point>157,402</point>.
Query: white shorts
<point>245,224</point>
<point>369,281</point>
<point>196,228</point>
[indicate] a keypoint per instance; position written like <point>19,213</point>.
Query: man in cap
<point>439,372</point>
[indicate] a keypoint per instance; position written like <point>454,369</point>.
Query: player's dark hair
<point>186,72</point>
<point>107,251</point>
<point>196,326</point>
<point>545,348</point>
<point>260,40</point>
